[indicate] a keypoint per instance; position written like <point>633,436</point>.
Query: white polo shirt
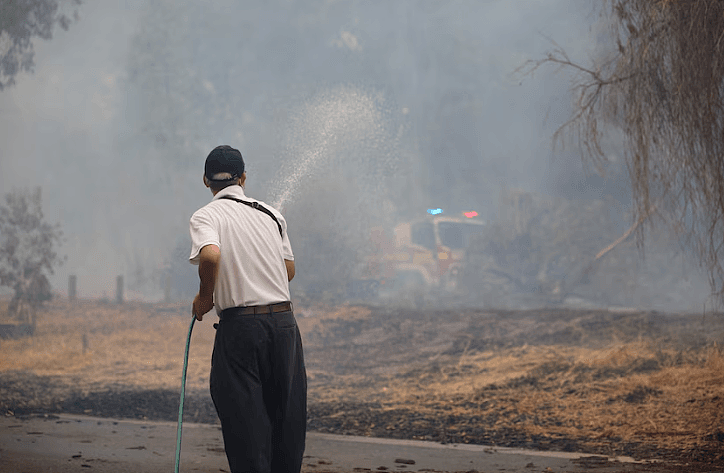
<point>252,269</point>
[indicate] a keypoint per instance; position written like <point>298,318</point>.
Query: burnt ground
<point>646,385</point>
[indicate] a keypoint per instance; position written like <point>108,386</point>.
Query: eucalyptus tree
<point>28,252</point>
<point>20,23</point>
<point>661,86</point>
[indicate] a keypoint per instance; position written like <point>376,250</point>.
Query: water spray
<point>345,127</point>
<point>342,156</point>
<point>183,394</point>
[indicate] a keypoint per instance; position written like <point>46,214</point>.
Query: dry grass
<point>133,345</point>
<point>600,394</point>
<point>635,389</point>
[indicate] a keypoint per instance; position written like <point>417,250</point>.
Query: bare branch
<point>664,88</point>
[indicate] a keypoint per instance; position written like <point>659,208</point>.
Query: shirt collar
<point>234,191</point>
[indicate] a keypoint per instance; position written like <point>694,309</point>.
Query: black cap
<point>223,159</point>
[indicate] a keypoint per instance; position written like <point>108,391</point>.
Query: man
<point>258,380</point>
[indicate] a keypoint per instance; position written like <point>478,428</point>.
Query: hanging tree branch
<point>663,87</point>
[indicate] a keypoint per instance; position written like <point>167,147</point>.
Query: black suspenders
<point>258,207</point>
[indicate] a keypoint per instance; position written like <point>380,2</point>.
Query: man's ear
<point>206,182</point>
<point>242,179</point>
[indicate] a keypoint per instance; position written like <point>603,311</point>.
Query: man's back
<point>252,269</point>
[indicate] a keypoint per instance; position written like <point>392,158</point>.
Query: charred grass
<point>641,384</point>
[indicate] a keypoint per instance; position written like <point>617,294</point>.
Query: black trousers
<point>259,387</point>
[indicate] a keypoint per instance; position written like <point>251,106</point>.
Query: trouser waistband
<point>257,309</point>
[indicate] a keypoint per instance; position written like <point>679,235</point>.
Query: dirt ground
<point>642,384</point>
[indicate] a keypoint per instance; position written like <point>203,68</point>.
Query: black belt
<point>257,309</point>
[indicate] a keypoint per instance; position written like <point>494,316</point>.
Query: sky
<point>383,108</point>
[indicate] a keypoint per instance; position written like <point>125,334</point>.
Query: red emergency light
<point>470,214</point>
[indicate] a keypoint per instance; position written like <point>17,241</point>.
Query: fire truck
<point>423,256</point>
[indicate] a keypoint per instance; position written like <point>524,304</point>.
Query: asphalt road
<point>67,443</point>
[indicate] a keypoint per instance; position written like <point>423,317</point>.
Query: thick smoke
<point>350,115</point>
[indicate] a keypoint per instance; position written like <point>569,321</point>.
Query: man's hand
<point>201,306</point>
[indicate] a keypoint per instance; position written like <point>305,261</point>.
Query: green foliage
<point>27,252</point>
<point>20,22</point>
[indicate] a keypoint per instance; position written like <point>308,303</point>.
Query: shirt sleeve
<point>286,244</point>
<point>203,232</point>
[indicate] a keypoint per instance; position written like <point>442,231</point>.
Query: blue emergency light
<point>434,211</point>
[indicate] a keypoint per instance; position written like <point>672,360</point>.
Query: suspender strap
<point>258,207</point>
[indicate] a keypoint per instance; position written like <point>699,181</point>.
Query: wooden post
<point>119,290</point>
<point>72,280</point>
<point>167,289</point>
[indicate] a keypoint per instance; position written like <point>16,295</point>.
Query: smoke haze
<point>348,114</point>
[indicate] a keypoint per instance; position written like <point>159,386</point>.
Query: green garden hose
<point>183,389</point>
